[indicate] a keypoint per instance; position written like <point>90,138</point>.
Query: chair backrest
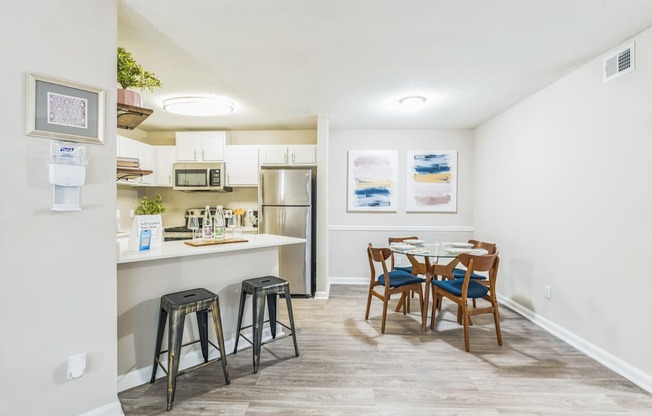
<point>378,255</point>
<point>391,240</point>
<point>490,247</point>
<point>400,239</point>
<point>474,264</point>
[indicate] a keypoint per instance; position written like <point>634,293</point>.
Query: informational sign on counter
<point>146,233</point>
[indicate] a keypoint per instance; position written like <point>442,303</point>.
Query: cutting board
<point>201,243</point>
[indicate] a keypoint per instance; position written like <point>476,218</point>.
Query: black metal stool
<point>178,305</point>
<point>260,288</point>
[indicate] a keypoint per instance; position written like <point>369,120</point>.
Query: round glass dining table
<point>431,254</point>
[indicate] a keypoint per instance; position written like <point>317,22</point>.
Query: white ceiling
<point>284,62</point>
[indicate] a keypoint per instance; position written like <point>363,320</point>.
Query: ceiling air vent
<point>619,63</point>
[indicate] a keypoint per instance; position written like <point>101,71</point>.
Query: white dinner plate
<point>419,250</point>
<point>402,246</point>
<point>460,250</point>
<point>461,245</point>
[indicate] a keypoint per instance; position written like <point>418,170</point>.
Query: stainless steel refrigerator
<point>286,208</point>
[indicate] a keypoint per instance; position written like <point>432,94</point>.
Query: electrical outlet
<point>547,292</point>
<point>76,366</point>
<point>398,260</point>
<point>131,213</point>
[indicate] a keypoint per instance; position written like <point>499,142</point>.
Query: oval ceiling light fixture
<point>412,102</point>
<point>198,106</point>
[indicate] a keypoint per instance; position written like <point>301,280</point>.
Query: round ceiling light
<point>412,101</point>
<point>198,106</point>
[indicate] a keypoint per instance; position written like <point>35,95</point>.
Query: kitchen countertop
<point>172,249</point>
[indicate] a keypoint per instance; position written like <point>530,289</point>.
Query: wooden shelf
<point>129,117</point>
<point>132,173</point>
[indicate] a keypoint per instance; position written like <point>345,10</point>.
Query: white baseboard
<point>321,295</point>
<point>142,376</point>
<point>633,374</point>
<point>348,281</point>
<point>111,409</point>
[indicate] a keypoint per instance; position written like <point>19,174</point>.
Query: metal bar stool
<point>177,306</point>
<point>260,288</point>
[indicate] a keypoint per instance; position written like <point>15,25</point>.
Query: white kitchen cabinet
<point>273,155</point>
<point>135,149</point>
<point>165,157</point>
<point>146,159</point>
<point>200,146</point>
<point>283,155</point>
<point>127,147</point>
<point>241,165</point>
<point>303,154</point>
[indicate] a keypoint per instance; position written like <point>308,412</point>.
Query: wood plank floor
<point>347,367</point>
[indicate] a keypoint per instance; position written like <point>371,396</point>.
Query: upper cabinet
<point>242,165</point>
<point>143,153</point>
<point>300,154</point>
<point>165,157</point>
<point>200,146</point>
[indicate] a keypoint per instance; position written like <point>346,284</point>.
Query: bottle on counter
<point>207,225</point>
<point>218,224</point>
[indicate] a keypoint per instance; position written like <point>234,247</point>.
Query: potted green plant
<point>132,75</point>
<point>151,207</point>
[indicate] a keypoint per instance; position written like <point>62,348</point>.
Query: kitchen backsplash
<point>177,202</point>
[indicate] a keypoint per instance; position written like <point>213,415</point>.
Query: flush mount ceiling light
<point>198,106</point>
<point>412,101</point>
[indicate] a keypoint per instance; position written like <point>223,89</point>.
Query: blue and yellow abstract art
<point>372,180</point>
<point>431,181</point>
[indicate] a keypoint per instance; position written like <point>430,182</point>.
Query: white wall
<point>563,184</point>
<point>58,295</point>
<point>350,232</point>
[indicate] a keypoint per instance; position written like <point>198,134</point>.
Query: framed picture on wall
<point>431,181</point>
<point>372,180</point>
<point>65,110</point>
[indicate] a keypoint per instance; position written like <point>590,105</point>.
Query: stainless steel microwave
<point>200,177</point>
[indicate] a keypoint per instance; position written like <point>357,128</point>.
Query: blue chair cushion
<point>400,278</point>
<point>476,290</point>
<point>460,273</point>
<point>405,269</point>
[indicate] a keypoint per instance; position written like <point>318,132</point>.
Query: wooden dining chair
<point>416,268</point>
<point>460,290</point>
<point>491,249</point>
<point>392,282</point>
<point>460,273</point>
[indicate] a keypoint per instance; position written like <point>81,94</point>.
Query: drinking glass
<point>193,224</point>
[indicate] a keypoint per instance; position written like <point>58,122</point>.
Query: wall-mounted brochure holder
<point>67,173</point>
<point>146,233</point>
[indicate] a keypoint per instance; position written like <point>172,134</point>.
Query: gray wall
<point>563,185</point>
<point>58,269</point>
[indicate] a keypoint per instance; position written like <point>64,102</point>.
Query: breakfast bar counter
<point>172,249</point>
<point>143,277</point>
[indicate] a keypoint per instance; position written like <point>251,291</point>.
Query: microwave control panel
<point>214,177</point>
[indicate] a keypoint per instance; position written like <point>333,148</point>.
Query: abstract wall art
<point>431,181</point>
<point>372,180</point>
<point>60,109</point>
